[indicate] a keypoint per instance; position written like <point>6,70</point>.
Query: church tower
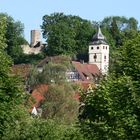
<point>99,52</point>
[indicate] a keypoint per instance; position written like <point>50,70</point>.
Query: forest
<point>110,111</point>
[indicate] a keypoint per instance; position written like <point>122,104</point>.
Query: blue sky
<point>30,12</point>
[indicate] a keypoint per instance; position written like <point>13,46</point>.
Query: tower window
<point>105,58</point>
<point>97,47</point>
<point>91,48</point>
<point>95,57</point>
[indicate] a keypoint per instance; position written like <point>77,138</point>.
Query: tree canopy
<point>66,34</point>
<point>15,121</point>
<point>14,37</point>
<point>11,90</point>
<point>111,110</point>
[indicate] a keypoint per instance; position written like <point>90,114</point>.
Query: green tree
<point>15,122</point>
<point>111,110</point>
<point>128,58</point>
<point>120,28</point>
<point>14,38</point>
<point>55,73</point>
<point>123,23</point>
<point>11,92</point>
<point>115,32</point>
<point>51,72</point>
<point>60,103</point>
<point>66,34</point>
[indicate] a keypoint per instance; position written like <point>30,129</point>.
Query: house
<point>83,72</point>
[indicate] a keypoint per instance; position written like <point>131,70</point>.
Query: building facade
<point>99,52</point>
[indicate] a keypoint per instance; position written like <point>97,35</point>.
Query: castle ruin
<point>36,45</point>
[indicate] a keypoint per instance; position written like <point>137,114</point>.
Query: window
<point>106,47</point>
<point>97,47</point>
<point>95,57</point>
<point>105,58</point>
<point>91,48</point>
<point>103,47</point>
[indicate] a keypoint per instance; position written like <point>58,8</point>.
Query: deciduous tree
<point>66,34</point>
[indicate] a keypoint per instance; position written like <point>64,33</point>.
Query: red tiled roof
<point>86,70</point>
<point>38,94</point>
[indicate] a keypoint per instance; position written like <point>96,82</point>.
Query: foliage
<point>119,28</point>
<point>14,37</point>
<point>11,90</point>
<point>51,73</point>
<point>65,34</point>
<point>111,110</point>
<point>123,23</point>
<point>5,60</point>
<point>128,58</point>
<point>60,103</point>
<point>39,129</point>
<point>30,58</point>
<point>15,122</point>
<point>73,133</point>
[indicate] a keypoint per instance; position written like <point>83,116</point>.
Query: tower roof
<point>98,38</point>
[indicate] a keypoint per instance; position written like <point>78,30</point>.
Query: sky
<point>30,12</point>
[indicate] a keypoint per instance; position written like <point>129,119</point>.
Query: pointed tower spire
<point>98,38</point>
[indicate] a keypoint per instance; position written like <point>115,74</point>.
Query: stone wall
<point>35,37</point>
